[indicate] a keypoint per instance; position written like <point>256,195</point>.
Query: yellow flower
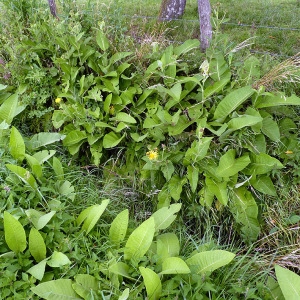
<point>152,154</point>
<point>57,100</point>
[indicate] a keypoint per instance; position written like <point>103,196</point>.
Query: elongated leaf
<point>38,270</point>
<point>243,121</point>
<point>232,101</point>
<point>124,295</point>
<point>16,144</point>
<point>229,165</point>
<point>274,100</point>
<point>216,87</point>
<point>152,283</point>
<point>165,216</point>
<point>8,109</point>
<point>198,150</point>
<point>44,138</point>
<point>102,40</point>
<point>289,283</point>
<point>186,47</point>
<point>139,241</point>
<point>37,245</point>
<point>14,232</point>
<point>193,177</point>
<point>91,215</point>
<point>174,265</point>
<point>43,220</point>
<point>23,174</point>
<point>119,227</point>
<point>58,259</point>
<point>56,289</point>
<point>58,168</point>
<point>208,261</point>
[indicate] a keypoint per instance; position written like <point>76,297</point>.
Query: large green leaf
<point>123,117</point>
<point>152,283</point>
<point>140,241</point>
<point>14,233</point>
<point>91,215</point>
<point>16,144</point>
<point>219,189</point>
<point>58,259</point>
<point>208,261</point>
<point>85,285</point>
<point>174,265</point>
<point>36,168</point>
<point>118,228</point>
<point>232,101</point>
<point>193,177</point>
<point>38,270</point>
<point>37,245</point>
<point>262,164</point>
<point>111,140</point>
<point>243,121</point>
<point>216,87</point>
<point>8,109</point>
<point>264,185</point>
<point>44,138</point>
<point>74,137</point>
<point>289,283</point>
<point>60,289</point>
<point>229,165</point>
<point>165,216</point>
<point>167,246</point>
<point>271,129</point>
<point>197,151</point>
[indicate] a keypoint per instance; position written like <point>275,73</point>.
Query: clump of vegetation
<point>156,172</point>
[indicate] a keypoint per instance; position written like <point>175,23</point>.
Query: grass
<point>275,24</point>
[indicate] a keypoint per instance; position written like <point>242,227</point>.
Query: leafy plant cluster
<point>207,134</point>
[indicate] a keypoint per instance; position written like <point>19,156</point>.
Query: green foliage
<point>288,282</point>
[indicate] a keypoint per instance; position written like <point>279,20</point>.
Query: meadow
<point>134,166</point>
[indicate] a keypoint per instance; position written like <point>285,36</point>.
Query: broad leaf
<point>140,241</point>
<point>56,289</point>
<point>275,100</point>
<point>112,139</point>
<point>229,165</point>
<point>85,285</point>
<point>219,189</point>
<point>152,283</point>
<point>14,232</point>
<point>120,268</point>
<point>123,117</point>
<point>174,265</point>
<point>74,137</point>
<point>186,47</point>
<point>208,261</point>
<point>289,283</point>
<point>165,216</point>
<point>264,185</point>
<point>262,164</point>
<point>167,246</point>
<point>193,176</point>
<point>58,259</point>
<point>38,270</point>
